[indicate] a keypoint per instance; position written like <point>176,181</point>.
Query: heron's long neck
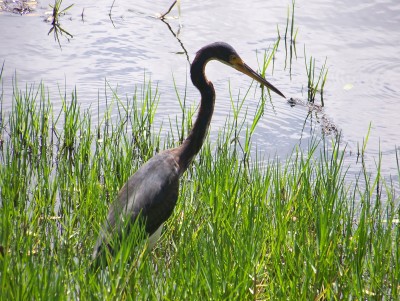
<point>193,143</point>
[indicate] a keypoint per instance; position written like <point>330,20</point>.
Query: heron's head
<point>225,53</point>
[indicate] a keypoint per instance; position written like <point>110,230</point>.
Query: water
<point>359,40</point>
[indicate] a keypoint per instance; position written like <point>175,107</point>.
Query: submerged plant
<point>55,23</point>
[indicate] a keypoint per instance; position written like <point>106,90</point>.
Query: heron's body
<point>161,174</point>
<point>152,192</point>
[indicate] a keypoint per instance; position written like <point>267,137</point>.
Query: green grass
<point>315,84</point>
<point>291,229</point>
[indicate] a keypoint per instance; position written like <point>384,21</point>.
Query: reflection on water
<point>359,42</point>
<point>56,28</point>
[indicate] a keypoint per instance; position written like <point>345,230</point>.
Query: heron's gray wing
<point>151,192</point>
<point>156,197</point>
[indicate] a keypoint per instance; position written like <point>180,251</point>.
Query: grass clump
<point>315,84</point>
<point>291,229</point>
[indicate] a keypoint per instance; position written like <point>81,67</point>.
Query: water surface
<point>358,39</point>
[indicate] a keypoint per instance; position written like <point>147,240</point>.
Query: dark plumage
<point>152,191</point>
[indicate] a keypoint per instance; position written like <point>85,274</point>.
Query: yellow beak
<point>242,67</point>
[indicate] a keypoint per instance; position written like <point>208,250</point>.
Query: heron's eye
<point>235,60</point>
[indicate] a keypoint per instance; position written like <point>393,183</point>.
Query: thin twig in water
<point>176,36</point>
<point>112,5</point>
<point>162,17</point>
<point>109,14</point>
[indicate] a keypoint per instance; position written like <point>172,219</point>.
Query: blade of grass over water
<point>315,84</point>
<point>290,41</point>
<point>243,229</point>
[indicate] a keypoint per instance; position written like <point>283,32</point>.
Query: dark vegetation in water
<point>20,7</point>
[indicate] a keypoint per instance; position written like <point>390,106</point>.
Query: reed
<point>243,228</point>
<point>315,84</point>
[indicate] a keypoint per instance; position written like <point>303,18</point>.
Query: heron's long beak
<point>242,67</point>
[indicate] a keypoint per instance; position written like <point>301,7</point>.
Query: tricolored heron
<point>151,193</point>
